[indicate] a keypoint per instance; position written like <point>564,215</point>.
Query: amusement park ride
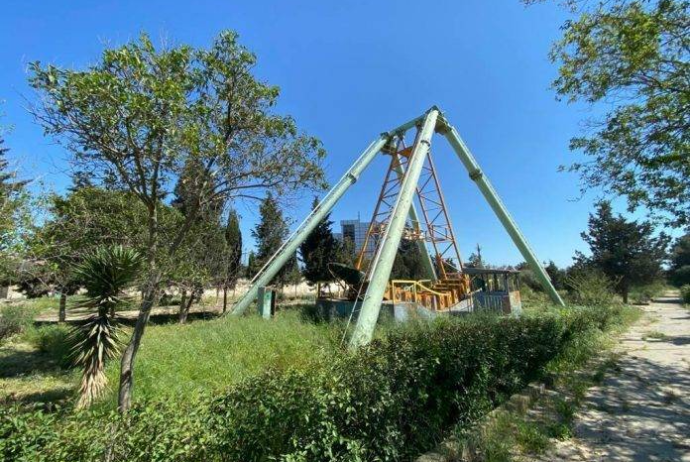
<point>449,287</point>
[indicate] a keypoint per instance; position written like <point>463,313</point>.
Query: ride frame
<point>380,268</point>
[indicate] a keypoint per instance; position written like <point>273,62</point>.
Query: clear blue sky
<point>348,71</point>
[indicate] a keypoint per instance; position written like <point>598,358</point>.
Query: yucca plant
<point>105,274</point>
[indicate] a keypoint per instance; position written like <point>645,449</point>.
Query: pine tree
<point>233,239</point>
<point>679,271</point>
<point>10,187</point>
<point>318,250</point>
<point>202,255</point>
<point>251,265</point>
<point>13,214</point>
<point>269,234</point>
<point>232,256</point>
<point>626,251</point>
<point>408,263</point>
<point>556,274</point>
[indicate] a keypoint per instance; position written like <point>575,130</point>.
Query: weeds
<point>15,319</point>
<point>654,335</point>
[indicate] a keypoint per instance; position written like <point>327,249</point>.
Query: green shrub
<point>389,401</point>
<point>590,287</point>
<point>52,341</point>
<point>685,294</point>
<point>14,319</point>
<point>645,294</point>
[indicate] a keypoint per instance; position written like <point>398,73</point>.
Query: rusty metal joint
<point>476,175</point>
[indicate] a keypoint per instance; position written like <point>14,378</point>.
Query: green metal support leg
<point>383,261</point>
<point>499,209</point>
<point>289,247</point>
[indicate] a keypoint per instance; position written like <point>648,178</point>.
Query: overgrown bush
<point>590,287</point>
<point>645,294</point>
<point>53,341</point>
<point>389,401</point>
<point>14,319</point>
<point>685,294</point>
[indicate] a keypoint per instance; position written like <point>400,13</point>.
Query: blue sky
<point>348,71</point>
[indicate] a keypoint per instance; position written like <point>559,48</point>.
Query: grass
<point>212,355</point>
<point>173,359</point>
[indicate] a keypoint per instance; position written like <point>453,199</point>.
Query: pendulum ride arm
<point>498,207</point>
<point>383,261</point>
<point>289,247</point>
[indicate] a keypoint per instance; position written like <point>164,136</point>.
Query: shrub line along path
<point>641,411</point>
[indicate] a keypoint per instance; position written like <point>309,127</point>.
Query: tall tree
<point>679,271</point>
<point>626,251</point>
<point>13,214</point>
<point>269,233</point>
<point>557,275</point>
<point>630,58</point>
<point>251,265</point>
<point>201,256</point>
<point>318,250</point>
<point>141,114</point>
<point>233,252</point>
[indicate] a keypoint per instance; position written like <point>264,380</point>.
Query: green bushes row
<point>387,402</point>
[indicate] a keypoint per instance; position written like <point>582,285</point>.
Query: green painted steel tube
<point>429,269</point>
<point>412,123</point>
<point>500,210</point>
<point>289,247</point>
<point>383,261</point>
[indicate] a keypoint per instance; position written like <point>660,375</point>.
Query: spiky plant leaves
<point>106,274</point>
<point>97,340</point>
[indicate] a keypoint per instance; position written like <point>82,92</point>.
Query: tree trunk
<point>130,353</point>
<point>183,302</point>
<point>225,299</point>
<point>185,305</point>
<point>185,312</point>
<point>626,293</point>
<point>62,312</point>
<point>124,401</point>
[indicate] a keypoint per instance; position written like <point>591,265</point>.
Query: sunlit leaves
<point>631,58</point>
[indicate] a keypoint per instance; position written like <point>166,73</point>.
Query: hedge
<point>389,401</point>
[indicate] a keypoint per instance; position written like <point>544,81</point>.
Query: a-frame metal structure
<point>411,172</point>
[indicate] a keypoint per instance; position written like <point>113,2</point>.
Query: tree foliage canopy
<point>233,241</point>
<point>679,271</point>
<point>318,250</point>
<point>628,252</point>
<point>632,56</point>
<point>13,213</point>
<point>145,115</point>
<point>269,233</point>
<point>142,117</point>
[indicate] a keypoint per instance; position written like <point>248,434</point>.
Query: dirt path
<point>641,411</point>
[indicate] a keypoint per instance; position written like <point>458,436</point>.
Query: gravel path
<point>641,411</point>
